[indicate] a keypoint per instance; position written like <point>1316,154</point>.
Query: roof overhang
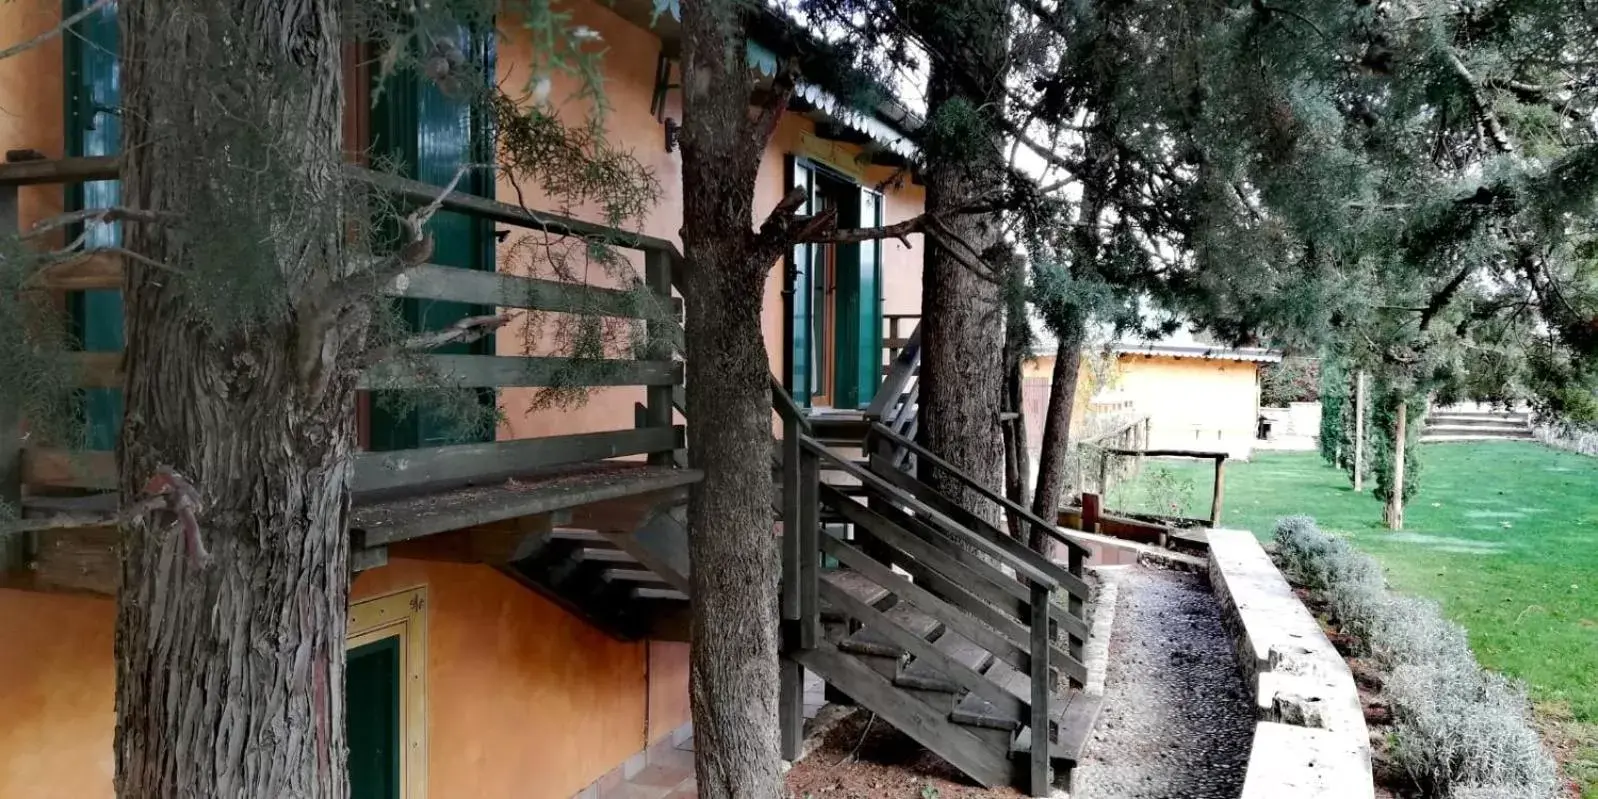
<point>1199,351</point>
<point>888,125</point>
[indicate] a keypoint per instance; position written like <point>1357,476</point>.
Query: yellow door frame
<point>403,615</point>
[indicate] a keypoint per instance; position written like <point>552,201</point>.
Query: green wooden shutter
<point>868,312</point>
<point>429,135</point>
<point>859,308</point>
<point>372,719</point>
<point>800,268</point>
<point>94,128</point>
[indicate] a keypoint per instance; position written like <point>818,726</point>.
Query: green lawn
<point>1503,534</point>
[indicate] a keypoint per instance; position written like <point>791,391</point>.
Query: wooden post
<point>1220,490</point>
<point>657,277</point>
<point>792,542</point>
<point>1104,473</point>
<point>1074,605</point>
<point>1039,757</point>
<point>1091,508</point>
<point>13,548</point>
<point>1359,431</point>
<point>810,551</point>
<point>1395,492</point>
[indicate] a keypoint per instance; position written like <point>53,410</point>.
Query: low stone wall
<point>1311,740</point>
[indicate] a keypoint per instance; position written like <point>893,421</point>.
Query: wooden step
<point>870,641</point>
<point>856,585</point>
<point>588,537</point>
<point>671,594</point>
<point>921,675</point>
<point>975,711</point>
<point>632,575</point>
<point>1075,726</point>
<point>596,555</point>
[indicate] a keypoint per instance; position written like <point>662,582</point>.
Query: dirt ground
<point>863,758</point>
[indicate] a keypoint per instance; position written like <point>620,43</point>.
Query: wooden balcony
<point>494,501</point>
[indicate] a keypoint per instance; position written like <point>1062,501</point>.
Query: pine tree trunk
<point>962,311</point>
<point>230,661</point>
<point>732,549</point>
<point>1394,515</point>
<point>1057,430</point>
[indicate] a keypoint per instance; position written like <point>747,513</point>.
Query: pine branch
<point>462,331</point>
<point>1489,116</point>
<point>770,112</point>
<point>66,24</point>
<point>1443,296</point>
<point>114,213</point>
<point>898,230</point>
<point>69,521</point>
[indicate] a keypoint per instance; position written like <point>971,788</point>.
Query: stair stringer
<point>989,766</point>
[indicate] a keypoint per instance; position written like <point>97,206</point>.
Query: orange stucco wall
<point>523,699</point>
<point>630,64</point>
<point>32,114</point>
<point>57,695</point>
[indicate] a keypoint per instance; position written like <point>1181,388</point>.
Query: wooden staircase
<point>932,617</point>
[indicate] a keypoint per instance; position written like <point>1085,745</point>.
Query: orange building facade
<point>504,693</point>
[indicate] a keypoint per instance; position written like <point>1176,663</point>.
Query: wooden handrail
<point>1029,571</point>
<point>904,366</point>
<point>1170,453</point>
<point>1094,439</point>
<point>988,493</point>
<point>79,170</point>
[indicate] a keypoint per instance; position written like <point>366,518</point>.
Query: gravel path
<point>1176,720</point>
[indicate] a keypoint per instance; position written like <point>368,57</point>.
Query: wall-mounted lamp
<point>673,133</point>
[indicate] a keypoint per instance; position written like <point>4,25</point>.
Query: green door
<point>94,128</point>
<point>847,313</point>
<point>859,303</point>
<point>429,135</point>
<point>372,719</point>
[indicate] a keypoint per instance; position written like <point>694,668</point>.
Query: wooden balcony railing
<point>27,468</point>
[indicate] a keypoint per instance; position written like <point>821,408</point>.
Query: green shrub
<point>1459,731</point>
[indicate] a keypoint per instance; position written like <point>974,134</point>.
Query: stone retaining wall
<point>1311,740</point>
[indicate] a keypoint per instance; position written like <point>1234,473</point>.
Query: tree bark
<point>732,550</point>
<point>1056,445</point>
<point>1394,515</point>
<point>230,632</point>
<point>962,312</point>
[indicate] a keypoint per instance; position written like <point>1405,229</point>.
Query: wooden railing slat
<point>432,282</point>
<point>953,583</point>
<point>503,371</point>
<point>1026,568</point>
<point>53,467</point>
<point>59,170</point>
<point>484,208</point>
<point>460,464</point>
<point>93,270</point>
<point>993,496</point>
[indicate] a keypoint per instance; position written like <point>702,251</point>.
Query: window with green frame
<point>428,135</point>
<point>93,128</point>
